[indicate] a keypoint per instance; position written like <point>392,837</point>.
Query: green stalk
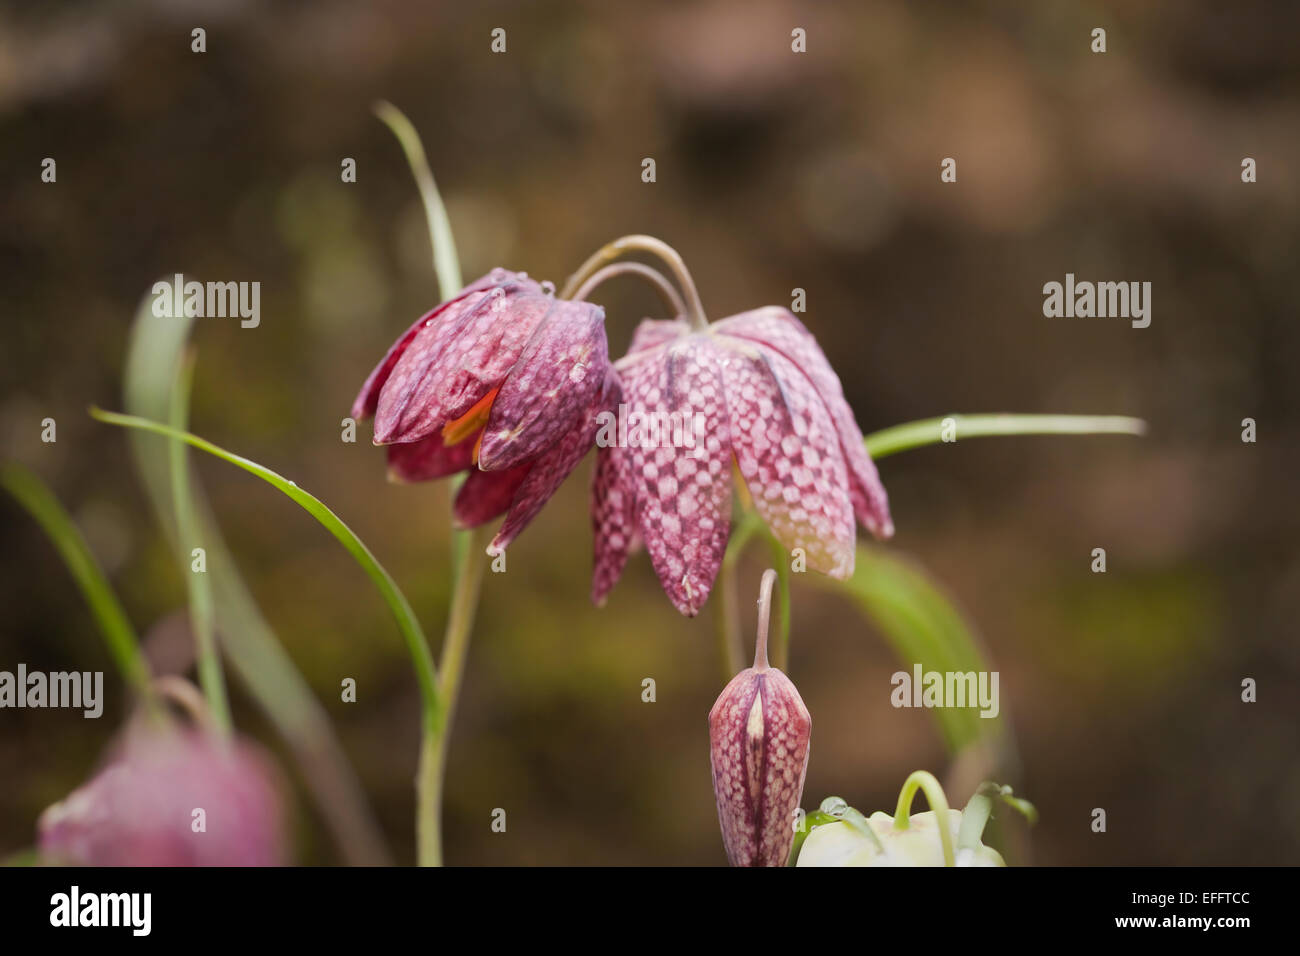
<point>925,781</point>
<point>468,580</point>
<point>119,635</point>
<point>727,620</point>
<point>211,678</point>
<point>466,568</point>
<point>781,646</point>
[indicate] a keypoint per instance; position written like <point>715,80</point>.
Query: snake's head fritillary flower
<point>759,738</point>
<point>141,809</point>
<point>840,844</point>
<point>504,381</point>
<point>842,836</point>
<point>762,396</point>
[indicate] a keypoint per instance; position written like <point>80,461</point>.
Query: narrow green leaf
<point>446,263</point>
<point>211,677</point>
<point>930,431</point>
<point>119,635</point>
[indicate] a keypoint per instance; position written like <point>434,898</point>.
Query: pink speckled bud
<point>759,732</point>
<point>140,810</point>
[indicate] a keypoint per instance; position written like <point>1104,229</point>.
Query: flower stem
<point>179,691</point>
<point>671,297</point>
<point>925,781</point>
<point>781,646</point>
<point>930,431</point>
<point>727,621</point>
<point>211,677</point>
<point>764,619</point>
<point>433,753</point>
<point>638,243</point>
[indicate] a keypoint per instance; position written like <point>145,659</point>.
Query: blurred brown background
<point>775,171</point>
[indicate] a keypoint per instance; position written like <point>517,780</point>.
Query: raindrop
<point>834,806</point>
<point>548,287</point>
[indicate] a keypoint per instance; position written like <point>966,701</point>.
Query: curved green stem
<point>445,261</point>
<point>639,243</point>
<point>468,581</point>
<point>667,291</point>
<point>925,781</point>
<point>119,635</point>
<point>931,431</point>
<point>211,678</point>
<point>188,698</point>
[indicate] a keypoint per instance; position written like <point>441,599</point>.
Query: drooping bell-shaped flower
<point>171,798</point>
<point>754,389</point>
<point>504,381</point>
<point>759,739</point>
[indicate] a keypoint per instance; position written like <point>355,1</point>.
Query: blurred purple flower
<point>139,810</point>
<point>767,398</point>
<point>505,377</point>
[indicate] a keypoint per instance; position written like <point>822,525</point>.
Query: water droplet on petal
<point>548,287</point>
<point>497,274</point>
<point>834,806</point>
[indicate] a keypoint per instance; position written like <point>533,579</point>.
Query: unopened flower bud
<point>171,798</point>
<point>759,733</point>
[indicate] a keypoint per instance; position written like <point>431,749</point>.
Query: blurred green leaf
<point>211,677</point>
<point>119,635</point>
<point>446,263</point>
<point>924,627</point>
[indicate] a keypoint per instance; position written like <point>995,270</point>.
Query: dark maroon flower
<point>761,395</point>
<point>504,381</point>
<point>141,809</point>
